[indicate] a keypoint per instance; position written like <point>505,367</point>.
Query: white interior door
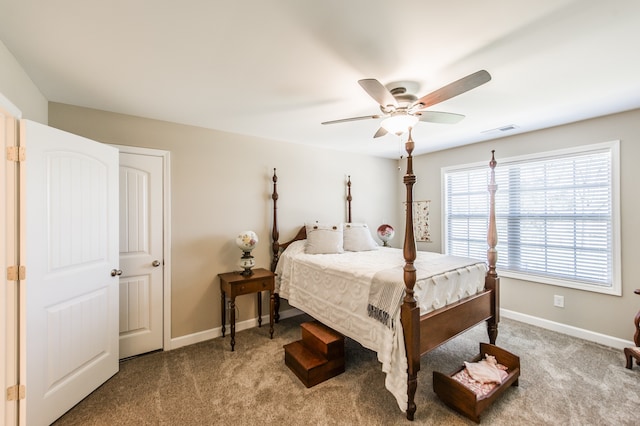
<point>141,254</point>
<point>69,245</point>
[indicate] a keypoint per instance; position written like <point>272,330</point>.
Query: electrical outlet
<point>558,301</point>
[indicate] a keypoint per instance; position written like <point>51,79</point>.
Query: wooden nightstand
<point>234,284</point>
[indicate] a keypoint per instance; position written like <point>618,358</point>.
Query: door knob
<point>115,272</point>
<point>156,263</point>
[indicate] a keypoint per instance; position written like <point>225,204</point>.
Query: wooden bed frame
<point>426,332</point>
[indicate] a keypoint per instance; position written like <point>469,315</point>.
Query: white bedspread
<point>335,289</point>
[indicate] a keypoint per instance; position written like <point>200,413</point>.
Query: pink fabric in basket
<point>480,389</point>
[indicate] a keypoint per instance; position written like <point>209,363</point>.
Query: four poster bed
<point>338,293</point>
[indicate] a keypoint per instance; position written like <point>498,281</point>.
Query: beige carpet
<point>564,381</point>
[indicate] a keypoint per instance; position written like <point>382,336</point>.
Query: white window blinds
<point>555,212</point>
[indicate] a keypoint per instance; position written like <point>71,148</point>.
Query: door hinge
<point>16,153</point>
<point>16,273</point>
<point>16,392</point>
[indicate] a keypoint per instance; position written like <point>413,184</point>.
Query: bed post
<point>275,246</point>
<point>410,312</point>
<point>349,199</point>
<point>492,281</point>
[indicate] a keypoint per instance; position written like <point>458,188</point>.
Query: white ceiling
<point>278,68</point>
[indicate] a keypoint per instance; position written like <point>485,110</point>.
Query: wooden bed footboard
<point>440,326</point>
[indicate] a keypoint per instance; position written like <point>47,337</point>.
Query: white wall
<point>16,86</point>
<point>594,312</point>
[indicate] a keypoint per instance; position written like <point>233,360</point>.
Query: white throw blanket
<point>387,286</point>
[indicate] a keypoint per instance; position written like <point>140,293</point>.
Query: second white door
<point>141,254</point>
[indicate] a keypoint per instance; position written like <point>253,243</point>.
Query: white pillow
<point>324,238</point>
<point>357,237</point>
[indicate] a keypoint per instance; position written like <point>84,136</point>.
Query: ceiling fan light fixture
<point>398,124</point>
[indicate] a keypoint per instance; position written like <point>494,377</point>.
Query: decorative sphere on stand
<point>247,241</point>
<point>385,233</point>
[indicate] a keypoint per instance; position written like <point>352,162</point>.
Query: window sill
<point>615,290</point>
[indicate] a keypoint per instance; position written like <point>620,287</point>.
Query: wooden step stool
<point>318,356</point>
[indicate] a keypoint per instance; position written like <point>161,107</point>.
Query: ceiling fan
<point>403,110</point>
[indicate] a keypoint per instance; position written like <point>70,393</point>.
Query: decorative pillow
<point>357,237</point>
<point>324,238</point>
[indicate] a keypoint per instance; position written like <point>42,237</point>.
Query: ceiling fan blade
<point>456,88</point>
<point>381,132</point>
<point>344,120</point>
<point>439,117</point>
<point>377,91</point>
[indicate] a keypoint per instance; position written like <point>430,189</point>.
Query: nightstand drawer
<point>252,287</point>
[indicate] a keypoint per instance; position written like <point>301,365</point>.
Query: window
<point>557,216</point>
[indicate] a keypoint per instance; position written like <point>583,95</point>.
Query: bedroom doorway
<point>144,260</point>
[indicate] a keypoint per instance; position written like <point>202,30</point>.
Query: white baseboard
<point>581,333</point>
<point>213,333</point>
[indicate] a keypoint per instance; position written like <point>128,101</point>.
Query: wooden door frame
<point>9,293</point>
<point>166,226</point>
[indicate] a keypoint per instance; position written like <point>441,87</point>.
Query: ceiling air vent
<point>506,128</point>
